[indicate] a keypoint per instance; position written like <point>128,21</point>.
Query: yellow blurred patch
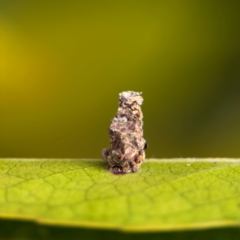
<point>25,66</point>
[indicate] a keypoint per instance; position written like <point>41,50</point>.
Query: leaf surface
<point>163,195</point>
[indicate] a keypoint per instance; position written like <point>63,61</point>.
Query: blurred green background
<point>63,63</point>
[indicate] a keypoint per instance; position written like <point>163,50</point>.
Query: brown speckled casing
<point>126,153</point>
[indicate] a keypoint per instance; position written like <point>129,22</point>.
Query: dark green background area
<point>27,230</point>
<point>63,63</point>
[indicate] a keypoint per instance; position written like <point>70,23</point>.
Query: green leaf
<point>165,195</point>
